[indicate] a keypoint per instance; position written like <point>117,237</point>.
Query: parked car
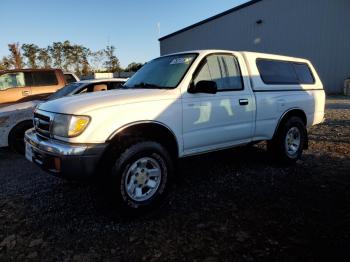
<point>17,118</point>
<point>177,106</point>
<point>23,85</point>
<point>70,77</point>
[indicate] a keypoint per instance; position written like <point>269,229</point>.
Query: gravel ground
<point>236,205</point>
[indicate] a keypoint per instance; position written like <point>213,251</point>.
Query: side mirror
<point>204,86</point>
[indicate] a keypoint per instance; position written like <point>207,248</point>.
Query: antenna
<point>158,26</point>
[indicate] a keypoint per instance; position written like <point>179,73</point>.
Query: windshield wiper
<point>147,85</point>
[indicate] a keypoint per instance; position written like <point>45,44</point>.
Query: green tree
<point>69,55</point>
<point>5,63</point>
<point>77,59</point>
<point>97,60</point>
<point>112,62</point>
<point>64,55</point>
<point>133,67</point>
<point>85,66</point>
<point>30,51</point>
<point>44,58</point>
<point>56,52</point>
<point>15,57</point>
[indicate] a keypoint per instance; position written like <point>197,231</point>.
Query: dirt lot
<point>236,205</point>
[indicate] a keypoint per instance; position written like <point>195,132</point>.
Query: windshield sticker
<point>181,60</point>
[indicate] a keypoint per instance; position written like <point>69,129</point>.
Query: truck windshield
<point>65,90</point>
<point>162,73</point>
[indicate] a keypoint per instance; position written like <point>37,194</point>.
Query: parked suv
<point>177,106</point>
<point>29,84</point>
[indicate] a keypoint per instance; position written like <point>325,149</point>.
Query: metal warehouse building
<point>318,30</point>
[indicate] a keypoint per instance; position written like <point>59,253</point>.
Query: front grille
<point>42,122</point>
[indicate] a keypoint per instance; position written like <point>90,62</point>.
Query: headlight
<point>69,125</point>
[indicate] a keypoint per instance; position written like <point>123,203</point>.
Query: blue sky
<point>131,26</point>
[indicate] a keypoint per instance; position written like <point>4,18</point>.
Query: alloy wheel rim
<point>143,179</point>
<point>292,141</point>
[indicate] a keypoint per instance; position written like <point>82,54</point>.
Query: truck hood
<point>81,104</point>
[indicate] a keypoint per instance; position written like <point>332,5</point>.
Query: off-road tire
<point>131,153</point>
<point>277,146</point>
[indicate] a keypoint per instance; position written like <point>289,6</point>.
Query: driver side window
<point>203,74</point>
<point>223,70</point>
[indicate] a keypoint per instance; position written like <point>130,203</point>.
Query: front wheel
<point>141,176</point>
<point>289,141</point>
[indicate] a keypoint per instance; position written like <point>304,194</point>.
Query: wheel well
<point>294,112</point>
<point>23,124</point>
<point>16,135</point>
<point>153,131</point>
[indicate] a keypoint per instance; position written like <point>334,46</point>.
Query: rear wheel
<point>141,176</point>
<point>289,141</point>
<point>16,136</point>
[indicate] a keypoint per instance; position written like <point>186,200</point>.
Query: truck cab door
<point>214,121</point>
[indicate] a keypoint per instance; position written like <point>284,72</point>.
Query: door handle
<point>25,93</point>
<point>243,102</point>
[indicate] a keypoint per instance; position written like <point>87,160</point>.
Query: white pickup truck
<point>176,106</point>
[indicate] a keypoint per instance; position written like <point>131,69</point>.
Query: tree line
<point>66,56</point>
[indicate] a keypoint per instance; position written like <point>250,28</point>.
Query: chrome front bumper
<point>63,159</point>
<point>53,146</point>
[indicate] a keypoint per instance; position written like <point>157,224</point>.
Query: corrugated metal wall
<point>318,30</point>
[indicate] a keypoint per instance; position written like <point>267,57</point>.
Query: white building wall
<point>318,30</point>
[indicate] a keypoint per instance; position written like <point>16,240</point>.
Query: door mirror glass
<point>204,86</point>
